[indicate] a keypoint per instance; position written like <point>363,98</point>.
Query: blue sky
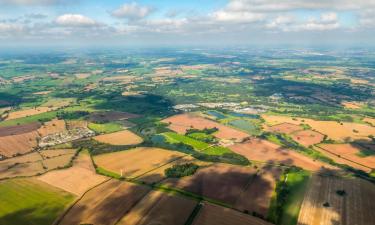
<point>171,22</point>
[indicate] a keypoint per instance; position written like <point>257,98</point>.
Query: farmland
<point>265,151</point>
<point>28,201</point>
<point>323,204</point>
<point>123,161</point>
<point>124,137</point>
<point>107,197</point>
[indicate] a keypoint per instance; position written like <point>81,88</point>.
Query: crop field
<point>12,145</point>
<point>18,129</point>
<point>353,153</point>
<point>124,137</point>
<point>265,151</point>
<point>179,138</point>
<point>286,128</point>
<point>160,208</point>
<point>106,198</point>
<point>29,201</point>
<point>369,120</point>
<point>146,159</point>
<point>323,204</point>
<point>56,103</point>
<point>76,179</point>
<point>211,214</point>
<point>73,124</point>
<point>105,117</point>
<point>334,130</point>
<point>181,123</point>
<point>241,187</point>
<point>52,127</point>
<point>35,163</point>
<point>307,137</point>
<point>27,112</point>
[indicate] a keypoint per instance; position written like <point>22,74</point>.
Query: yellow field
<point>28,112</point>
<point>124,137</point>
<point>334,130</point>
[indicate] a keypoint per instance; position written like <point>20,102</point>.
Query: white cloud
<point>237,16</point>
<point>132,11</point>
<point>75,20</point>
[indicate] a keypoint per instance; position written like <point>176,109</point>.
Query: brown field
<point>18,129</point>
<point>147,159</point>
<point>124,137</point>
<point>370,121</point>
<point>52,127</point>
<point>56,103</point>
<point>181,123</point>
<point>286,128</point>
<point>160,208</point>
<point>307,137</point>
<point>234,185</point>
<point>351,152</point>
<point>28,112</point>
<point>76,179</point>
<point>73,124</point>
<point>34,163</point>
<point>82,75</point>
<point>56,152</point>
<point>356,207</point>
<point>352,105</point>
<point>217,215</point>
<point>101,204</point>
<point>12,145</point>
<point>157,174</point>
<point>110,116</point>
<point>265,151</point>
<point>332,129</point>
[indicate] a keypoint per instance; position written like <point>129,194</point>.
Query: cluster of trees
<point>177,171</point>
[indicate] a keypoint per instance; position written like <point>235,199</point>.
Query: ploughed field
<point>183,122</point>
<point>268,152</point>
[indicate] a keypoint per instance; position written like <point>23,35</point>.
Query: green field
<point>216,150</point>
<point>174,138</point>
<point>105,127</point>
<point>47,116</point>
<point>30,202</point>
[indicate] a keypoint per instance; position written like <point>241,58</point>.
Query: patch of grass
<point>216,150</point>
<point>105,127</point>
<point>27,201</point>
<point>43,117</point>
<point>107,173</point>
<point>175,138</point>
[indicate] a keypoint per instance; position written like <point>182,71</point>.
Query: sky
<point>187,22</point>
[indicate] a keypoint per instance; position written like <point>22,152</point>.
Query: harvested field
<point>105,117</point>
<point>12,145</point>
<point>82,75</point>
<point>285,128</point>
<point>28,112</point>
<point>160,208</point>
<point>352,152</point>
<point>157,174</point>
<point>35,163</point>
<point>181,123</point>
<point>307,137</point>
<point>74,124</point>
<point>370,121</point>
<point>101,204</point>
<point>146,160</point>
<point>265,151</point>
<point>56,152</point>
<point>18,129</point>
<point>42,93</point>
<point>355,207</point>
<point>256,197</point>
<point>76,179</point>
<point>217,215</point>
<point>352,105</point>
<point>57,103</point>
<point>124,137</point>
<point>52,127</point>
<point>334,130</point>
<point>234,185</point>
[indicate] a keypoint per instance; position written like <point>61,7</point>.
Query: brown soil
<point>307,137</point>
<point>124,137</point>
